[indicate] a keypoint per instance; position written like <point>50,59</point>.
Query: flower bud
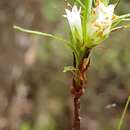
<point>74,20</point>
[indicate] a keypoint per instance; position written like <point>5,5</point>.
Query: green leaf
<point>68,44</point>
<point>117,3</point>
<point>70,69</point>
<point>119,19</point>
<point>81,3</point>
<point>120,27</point>
<point>40,33</point>
<point>88,4</point>
<point>123,16</point>
<point>123,114</point>
<point>86,15</point>
<point>106,2</point>
<point>126,19</point>
<point>94,2</point>
<point>76,52</point>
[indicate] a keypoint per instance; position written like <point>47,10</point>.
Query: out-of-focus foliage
<point>34,93</point>
<point>25,126</point>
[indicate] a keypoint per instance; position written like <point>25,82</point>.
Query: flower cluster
<point>99,24</point>
<point>91,22</point>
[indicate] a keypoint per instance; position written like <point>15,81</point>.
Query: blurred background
<point>34,92</point>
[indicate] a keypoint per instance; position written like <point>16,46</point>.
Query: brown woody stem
<point>78,88</point>
<point>76,113</point>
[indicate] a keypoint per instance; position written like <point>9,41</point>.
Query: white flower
<point>74,20</point>
<point>104,16</point>
<point>99,26</point>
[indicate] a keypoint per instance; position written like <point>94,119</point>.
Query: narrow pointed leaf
<point>39,33</point>
<point>86,15</point>
<point>123,114</point>
<point>88,4</point>
<point>120,27</point>
<point>106,2</point>
<point>80,3</point>
<point>76,52</point>
<point>117,3</point>
<point>119,19</point>
<point>123,16</point>
<point>69,68</point>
